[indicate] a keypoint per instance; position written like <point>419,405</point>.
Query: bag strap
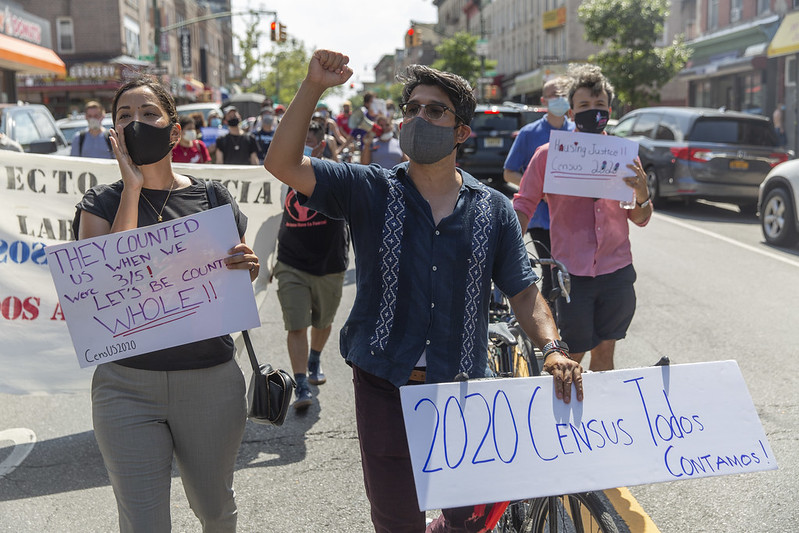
<point>250,350</point>
<point>209,190</point>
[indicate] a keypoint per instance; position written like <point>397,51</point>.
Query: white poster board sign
<point>155,287</point>
<point>509,439</point>
<point>589,165</point>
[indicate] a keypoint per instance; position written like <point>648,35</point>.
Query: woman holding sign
<point>188,401</point>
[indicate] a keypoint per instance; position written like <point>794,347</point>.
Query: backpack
<point>83,138</point>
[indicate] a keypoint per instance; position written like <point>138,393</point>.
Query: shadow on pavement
<point>704,210</point>
<point>74,462</point>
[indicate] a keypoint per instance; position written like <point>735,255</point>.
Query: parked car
<point>690,152</point>
<point>32,126</point>
<point>72,125</point>
<point>204,107</point>
<point>494,129</point>
<point>777,204</point>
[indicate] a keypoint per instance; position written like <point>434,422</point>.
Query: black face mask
<point>591,120</point>
<point>233,122</point>
<point>147,144</point>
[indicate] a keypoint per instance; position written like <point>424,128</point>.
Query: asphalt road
<point>708,289</point>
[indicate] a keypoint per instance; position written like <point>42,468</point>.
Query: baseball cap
<point>229,108</point>
<point>280,108</point>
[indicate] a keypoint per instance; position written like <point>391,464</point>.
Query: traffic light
<point>409,37</point>
<point>274,31</point>
<point>282,33</point>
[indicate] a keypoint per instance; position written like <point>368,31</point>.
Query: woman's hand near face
<point>131,174</point>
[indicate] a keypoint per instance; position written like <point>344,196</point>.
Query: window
<point>65,35</point>
<point>762,6</point>
<point>132,42</point>
<point>790,71</point>
<point>645,124</point>
<point>713,14</point>
<point>736,6</point>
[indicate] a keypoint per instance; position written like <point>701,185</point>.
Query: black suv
<point>691,152</point>
<point>494,129</point>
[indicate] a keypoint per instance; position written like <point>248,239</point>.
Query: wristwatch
<point>556,346</point>
<point>644,203</point>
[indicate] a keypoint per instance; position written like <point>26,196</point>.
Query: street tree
<point>458,55</point>
<point>627,31</point>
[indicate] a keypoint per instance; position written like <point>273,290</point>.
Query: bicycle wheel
<point>512,520</point>
<point>523,354</point>
<point>584,512</point>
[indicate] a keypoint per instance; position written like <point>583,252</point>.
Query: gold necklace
<point>158,213</point>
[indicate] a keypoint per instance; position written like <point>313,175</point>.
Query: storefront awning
<point>28,58</point>
<point>786,40</point>
<point>533,81</point>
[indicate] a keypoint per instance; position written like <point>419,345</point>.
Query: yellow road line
<point>631,511</point>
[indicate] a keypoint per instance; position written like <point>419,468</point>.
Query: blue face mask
<point>558,106</point>
<point>215,122</point>
<point>306,150</point>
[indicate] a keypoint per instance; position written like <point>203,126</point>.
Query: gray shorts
<point>307,300</point>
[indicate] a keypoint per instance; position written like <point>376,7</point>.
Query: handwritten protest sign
<point>509,439</point>
<point>155,287</point>
<point>589,165</point>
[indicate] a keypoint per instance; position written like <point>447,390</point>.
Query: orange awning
<point>28,58</point>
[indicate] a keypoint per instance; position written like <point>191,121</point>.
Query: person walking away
<point>384,151</point>
<point>187,402</point>
<point>531,136</point>
<point>189,149</point>
<point>414,228</point>
<point>312,257</point>
<point>93,141</point>
<point>590,235</point>
<point>237,147</point>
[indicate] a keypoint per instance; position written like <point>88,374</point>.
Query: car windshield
<point>495,121</point>
<point>733,131</point>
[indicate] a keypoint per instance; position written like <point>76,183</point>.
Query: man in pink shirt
<point>590,236</point>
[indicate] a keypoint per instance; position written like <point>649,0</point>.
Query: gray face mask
<point>426,143</point>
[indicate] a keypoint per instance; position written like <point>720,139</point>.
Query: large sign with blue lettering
<point>155,287</point>
<point>510,439</point>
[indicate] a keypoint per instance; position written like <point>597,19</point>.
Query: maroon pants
<point>386,462</point>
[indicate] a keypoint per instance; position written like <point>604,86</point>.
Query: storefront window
<point>701,94</point>
<point>753,94</point>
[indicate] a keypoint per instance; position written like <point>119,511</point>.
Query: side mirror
<point>43,147</point>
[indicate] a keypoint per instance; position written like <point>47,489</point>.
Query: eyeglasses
<point>431,111</point>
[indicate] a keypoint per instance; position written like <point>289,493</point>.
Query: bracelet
<point>556,346</point>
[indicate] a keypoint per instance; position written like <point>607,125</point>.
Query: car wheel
<point>653,184</point>
<point>778,219</point>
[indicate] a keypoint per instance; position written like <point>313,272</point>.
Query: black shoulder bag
<point>270,390</point>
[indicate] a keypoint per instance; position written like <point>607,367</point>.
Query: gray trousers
<point>142,418</point>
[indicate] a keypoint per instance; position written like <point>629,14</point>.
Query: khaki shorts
<point>307,300</point>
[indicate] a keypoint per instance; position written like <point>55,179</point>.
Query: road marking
<point>24,440</point>
<point>631,511</point>
<point>728,240</point>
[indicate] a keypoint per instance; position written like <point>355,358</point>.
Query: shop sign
<point>20,25</point>
<point>554,18</point>
<point>99,71</point>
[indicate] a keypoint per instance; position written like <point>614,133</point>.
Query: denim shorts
<point>601,308</point>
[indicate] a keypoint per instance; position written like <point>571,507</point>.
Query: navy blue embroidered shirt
<point>420,287</point>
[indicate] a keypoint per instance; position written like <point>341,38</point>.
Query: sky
<point>364,30</point>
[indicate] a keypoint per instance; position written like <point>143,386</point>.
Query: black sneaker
<point>315,374</point>
<point>304,399</point>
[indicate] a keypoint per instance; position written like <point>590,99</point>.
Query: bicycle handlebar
<point>563,276</point>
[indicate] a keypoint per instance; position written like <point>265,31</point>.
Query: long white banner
<point>37,205</point>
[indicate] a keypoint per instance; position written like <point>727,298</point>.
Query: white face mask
<point>189,135</point>
<point>94,123</point>
<point>387,136</point>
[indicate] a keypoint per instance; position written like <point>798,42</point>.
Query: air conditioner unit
<point>735,14</point>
